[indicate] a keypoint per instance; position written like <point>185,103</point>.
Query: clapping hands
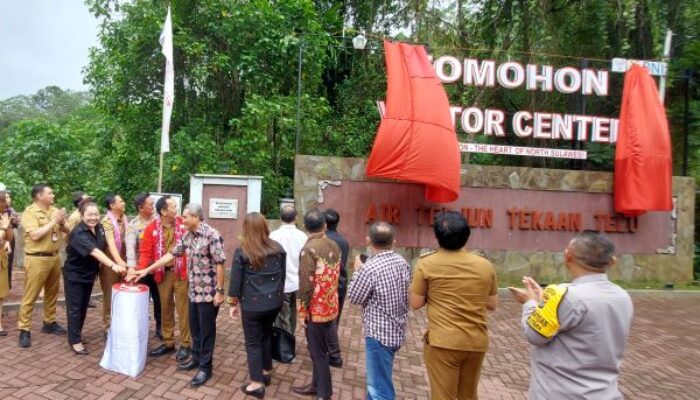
<point>532,291</point>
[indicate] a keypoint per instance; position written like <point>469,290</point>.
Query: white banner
<point>166,41</point>
<point>522,151</point>
<point>655,68</point>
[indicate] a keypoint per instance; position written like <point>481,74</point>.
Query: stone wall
<point>314,173</point>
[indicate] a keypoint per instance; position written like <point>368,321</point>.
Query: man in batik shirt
<point>204,247</point>
<point>319,268</point>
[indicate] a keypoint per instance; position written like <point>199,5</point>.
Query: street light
<point>359,42</point>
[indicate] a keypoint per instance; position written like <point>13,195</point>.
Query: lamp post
<point>359,41</point>
<point>687,76</point>
<point>299,66</point>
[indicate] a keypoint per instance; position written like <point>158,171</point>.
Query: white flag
<point>166,40</point>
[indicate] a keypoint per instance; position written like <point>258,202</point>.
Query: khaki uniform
<point>4,264</point>
<point>73,220</point>
<point>171,286</point>
<point>107,276</point>
<point>456,285</point>
<point>42,266</point>
<point>4,277</point>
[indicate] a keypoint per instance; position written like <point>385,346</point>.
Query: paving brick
<point>660,363</point>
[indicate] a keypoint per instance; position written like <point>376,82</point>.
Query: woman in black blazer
<point>257,285</point>
<point>85,252</point>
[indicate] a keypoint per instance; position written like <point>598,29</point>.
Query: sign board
<point>535,124</point>
<point>500,219</point>
<point>522,151</point>
<point>177,196</point>
<point>223,208</point>
<point>655,68</point>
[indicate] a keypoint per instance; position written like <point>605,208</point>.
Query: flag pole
<point>166,41</point>
<point>160,174</point>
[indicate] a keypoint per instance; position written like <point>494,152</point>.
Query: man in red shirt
<point>159,237</point>
<point>319,269</point>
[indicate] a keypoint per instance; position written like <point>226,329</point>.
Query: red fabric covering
<point>643,154</point>
<point>416,140</point>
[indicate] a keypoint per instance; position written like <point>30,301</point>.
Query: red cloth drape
<point>416,140</point>
<point>643,169</point>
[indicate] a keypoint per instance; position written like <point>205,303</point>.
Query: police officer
<point>42,223</point>
<point>578,330</point>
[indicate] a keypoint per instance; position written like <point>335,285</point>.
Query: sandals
<point>79,352</point>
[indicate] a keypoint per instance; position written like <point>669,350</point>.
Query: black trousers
<point>317,337</point>
<point>203,330</point>
<point>341,300</point>
<point>77,299</point>
<point>150,281</point>
<point>11,261</point>
<point>333,343</point>
<point>257,330</point>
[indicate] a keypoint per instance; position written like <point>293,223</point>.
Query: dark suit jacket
<point>258,289</point>
<point>344,251</point>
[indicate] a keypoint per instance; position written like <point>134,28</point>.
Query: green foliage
<point>236,84</point>
<point>37,151</point>
<point>235,102</point>
<point>51,103</point>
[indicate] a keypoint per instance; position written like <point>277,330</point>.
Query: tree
<point>51,104</point>
<point>235,87</point>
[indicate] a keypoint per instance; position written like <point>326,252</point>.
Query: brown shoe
<point>306,390</point>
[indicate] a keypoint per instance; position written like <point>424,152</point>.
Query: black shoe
<point>161,351</point>
<point>183,354</point>
<point>306,390</point>
<point>336,363</point>
<point>25,338</point>
<point>199,379</point>
<point>267,380</point>
<point>188,366</point>
<point>53,328</point>
<point>258,393</point>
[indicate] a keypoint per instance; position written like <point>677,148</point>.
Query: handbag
<point>283,345</point>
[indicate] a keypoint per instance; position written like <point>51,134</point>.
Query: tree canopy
<point>236,84</point>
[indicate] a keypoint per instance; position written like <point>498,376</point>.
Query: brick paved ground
<point>661,363</point>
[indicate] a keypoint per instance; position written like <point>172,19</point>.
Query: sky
<point>44,43</point>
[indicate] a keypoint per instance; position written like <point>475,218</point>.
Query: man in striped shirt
<point>380,286</point>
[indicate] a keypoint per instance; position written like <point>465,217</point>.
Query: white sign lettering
<point>513,75</point>
<point>522,151</point>
<point>223,208</point>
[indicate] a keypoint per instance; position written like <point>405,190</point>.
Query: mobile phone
<point>363,258</point>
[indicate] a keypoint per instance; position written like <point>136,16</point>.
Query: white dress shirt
<point>292,241</point>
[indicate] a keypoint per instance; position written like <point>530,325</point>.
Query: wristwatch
<point>220,290</point>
